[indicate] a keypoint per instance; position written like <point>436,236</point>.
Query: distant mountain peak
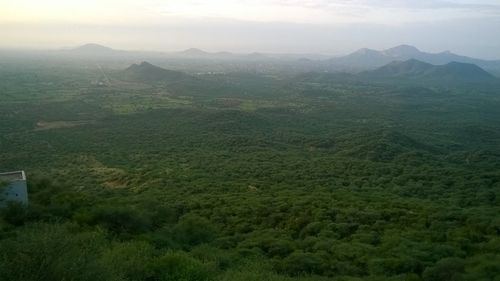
<point>404,47</point>
<point>416,69</point>
<point>193,51</point>
<point>365,59</point>
<point>365,51</point>
<point>93,47</point>
<point>146,71</point>
<point>411,67</point>
<point>143,66</point>
<point>468,71</point>
<point>146,64</point>
<point>402,51</point>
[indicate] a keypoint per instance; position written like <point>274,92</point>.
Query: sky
<point>278,26</point>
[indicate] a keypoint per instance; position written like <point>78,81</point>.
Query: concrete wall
<point>16,191</point>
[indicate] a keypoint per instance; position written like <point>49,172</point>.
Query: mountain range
<point>147,72</point>
<point>358,61</point>
<point>419,70</point>
<point>410,70</point>
<point>365,59</point>
<point>92,48</point>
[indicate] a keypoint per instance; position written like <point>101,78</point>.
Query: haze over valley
<point>249,140</point>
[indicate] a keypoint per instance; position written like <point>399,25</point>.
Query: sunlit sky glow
<point>31,23</point>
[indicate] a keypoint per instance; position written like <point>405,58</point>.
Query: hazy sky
<point>328,26</point>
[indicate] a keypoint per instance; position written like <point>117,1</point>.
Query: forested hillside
<point>242,176</point>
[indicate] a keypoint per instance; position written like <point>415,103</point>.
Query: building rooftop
<point>12,176</point>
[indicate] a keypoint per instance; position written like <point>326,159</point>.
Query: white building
<point>13,187</point>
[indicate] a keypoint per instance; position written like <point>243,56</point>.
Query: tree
<point>178,266</point>
<point>46,252</point>
<point>192,230</point>
<point>303,263</point>
<point>447,269</point>
<point>128,260</point>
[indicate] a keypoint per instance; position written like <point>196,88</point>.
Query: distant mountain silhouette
<point>146,72</point>
<point>415,69</point>
<point>402,51</point>
<point>92,48</point>
<point>201,54</point>
<point>364,59</point>
<point>178,83</point>
<point>462,71</point>
<point>410,68</point>
<point>194,52</point>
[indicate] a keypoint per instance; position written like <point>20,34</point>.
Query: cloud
<point>478,6</point>
<point>360,7</point>
<point>292,11</point>
<point>332,11</point>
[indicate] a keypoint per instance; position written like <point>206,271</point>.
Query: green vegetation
<point>248,177</point>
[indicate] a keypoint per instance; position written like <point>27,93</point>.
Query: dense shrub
<point>193,230</point>
<point>178,266</point>
<point>118,220</point>
<point>448,269</point>
<point>299,263</point>
<point>46,252</point>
